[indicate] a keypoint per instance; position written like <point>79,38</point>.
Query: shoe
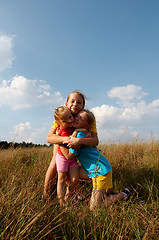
<point>128,190</point>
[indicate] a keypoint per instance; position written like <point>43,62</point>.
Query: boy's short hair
<point>90,117</point>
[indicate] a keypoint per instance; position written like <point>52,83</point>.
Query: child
<point>94,164</point>
<point>65,120</point>
<point>75,102</point>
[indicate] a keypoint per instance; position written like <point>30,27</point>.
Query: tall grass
<point>24,215</point>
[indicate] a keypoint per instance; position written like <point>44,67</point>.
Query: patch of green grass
<point>24,215</point>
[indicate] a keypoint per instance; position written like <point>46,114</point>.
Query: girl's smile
<point>75,103</point>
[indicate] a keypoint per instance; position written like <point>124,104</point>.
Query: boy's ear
<point>87,126</point>
<point>66,104</point>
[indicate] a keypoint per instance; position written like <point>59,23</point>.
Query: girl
<point>65,120</point>
<point>94,164</point>
<point>75,102</point>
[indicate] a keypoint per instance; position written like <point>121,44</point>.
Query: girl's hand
<point>73,142</point>
<point>57,131</point>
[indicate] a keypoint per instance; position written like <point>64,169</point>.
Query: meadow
<point>24,214</point>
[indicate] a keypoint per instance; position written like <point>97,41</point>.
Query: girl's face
<point>81,120</point>
<point>67,119</point>
<point>75,103</point>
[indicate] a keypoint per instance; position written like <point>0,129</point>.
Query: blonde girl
<point>75,102</point>
<point>64,119</point>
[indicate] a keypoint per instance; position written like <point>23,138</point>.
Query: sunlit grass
<point>24,215</point>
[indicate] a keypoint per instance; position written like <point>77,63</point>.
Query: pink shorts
<point>63,164</point>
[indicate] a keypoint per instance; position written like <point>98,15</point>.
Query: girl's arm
<point>53,138</point>
<point>69,155</point>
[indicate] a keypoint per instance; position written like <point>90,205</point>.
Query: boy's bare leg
<point>50,174</point>
<point>82,173</point>
<point>125,194</point>
<point>96,198</point>
<point>114,198</point>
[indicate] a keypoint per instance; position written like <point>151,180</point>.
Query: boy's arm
<point>90,141</point>
<point>76,143</point>
<point>53,138</point>
<point>74,134</point>
<point>69,155</point>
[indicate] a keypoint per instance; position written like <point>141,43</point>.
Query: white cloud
<point>20,93</point>
<point>126,94</point>
<point>130,118</point>
<point>6,53</point>
<point>21,128</point>
<point>105,114</point>
<point>24,132</point>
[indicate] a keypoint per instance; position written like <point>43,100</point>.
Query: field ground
<point>24,215</point>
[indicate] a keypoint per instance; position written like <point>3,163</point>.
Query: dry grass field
<point>24,214</point>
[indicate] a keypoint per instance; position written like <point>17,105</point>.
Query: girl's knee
<point>75,180</point>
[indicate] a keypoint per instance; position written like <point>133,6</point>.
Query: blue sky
<point>107,49</point>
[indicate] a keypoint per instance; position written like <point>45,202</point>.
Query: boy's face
<point>75,103</point>
<point>68,119</point>
<point>81,120</point>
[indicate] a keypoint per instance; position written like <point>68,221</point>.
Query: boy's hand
<point>74,134</point>
<point>73,142</point>
<point>88,135</point>
<point>81,130</point>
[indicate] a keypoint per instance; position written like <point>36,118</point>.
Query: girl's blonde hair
<point>78,92</point>
<point>90,117</point>
<point>59,112</point>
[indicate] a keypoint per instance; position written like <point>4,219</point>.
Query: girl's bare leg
<point>50,174</point>
<point>74,178</point>
<point>61,187</point>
